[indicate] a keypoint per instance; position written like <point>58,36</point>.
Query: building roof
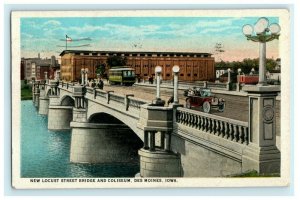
<point>134,52</point>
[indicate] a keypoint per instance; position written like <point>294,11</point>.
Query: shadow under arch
<point>104,118</point>
<point>67,101</point>
<point>119,135</point>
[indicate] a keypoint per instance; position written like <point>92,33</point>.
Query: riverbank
<point>26,93</point>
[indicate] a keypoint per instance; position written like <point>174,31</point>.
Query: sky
<point>176,34</point>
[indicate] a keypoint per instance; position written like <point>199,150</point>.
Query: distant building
<point>22,69</point>
<point>275,74</point>
<point>35,68</point>
<point>278,62</point>
<point>220,71</point>
<point>193,66</point>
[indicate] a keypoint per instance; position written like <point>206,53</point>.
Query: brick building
<point>193,66</point>
<point>35,68</point>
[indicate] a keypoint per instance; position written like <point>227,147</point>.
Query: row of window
<point>142,54</point>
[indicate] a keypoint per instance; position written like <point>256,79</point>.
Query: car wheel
<point>206,107</point>
<point>222,107</point>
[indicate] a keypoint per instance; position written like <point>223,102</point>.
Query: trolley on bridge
<point>121,75</point>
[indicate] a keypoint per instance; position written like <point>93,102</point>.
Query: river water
<point>46,153</point>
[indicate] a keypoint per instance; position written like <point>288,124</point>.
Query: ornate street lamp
<point>82,76</point>
<point>262,32</point>
<point>229,77</point>
<point>158,101</point>
<point>175,70</point>
<point>158,70</point>
<point>239,71</point>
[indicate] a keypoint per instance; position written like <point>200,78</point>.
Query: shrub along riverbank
<point>26,93</point>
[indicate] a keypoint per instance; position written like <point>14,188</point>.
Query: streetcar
<point>121,75</point>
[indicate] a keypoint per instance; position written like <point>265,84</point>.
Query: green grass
<point>255,174</point>
<point>26,93</point>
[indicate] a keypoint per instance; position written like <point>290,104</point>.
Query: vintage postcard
<point>150,98</point>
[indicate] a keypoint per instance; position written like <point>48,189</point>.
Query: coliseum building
<point>193,66</point>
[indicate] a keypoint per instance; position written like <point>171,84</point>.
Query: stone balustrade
<point>226,128</point>
<point>117,98</point>
<point>221,86</point>
<point>136,102</point>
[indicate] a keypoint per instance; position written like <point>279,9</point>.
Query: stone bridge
<point>171,141</point>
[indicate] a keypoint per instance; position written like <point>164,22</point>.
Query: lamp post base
<point>261,84</point>
<point>158,102</point>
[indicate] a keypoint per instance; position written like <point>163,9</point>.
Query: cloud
<point>52,23</point>
<point>215,23</point>
<point>220,29</point>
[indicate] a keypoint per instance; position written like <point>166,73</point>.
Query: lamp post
<point>175,70</point>
<point>229,78</point>
<point>262,32</point>
<point>239,71</point>
<point>158,101</point>
<point>86,75</point>
<point>82,76</point>
<point>158,70</point>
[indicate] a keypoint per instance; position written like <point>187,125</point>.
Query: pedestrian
<point>100,84</point>
<point>151,79</point>
<point>93,84</point>
<point>171,100</point>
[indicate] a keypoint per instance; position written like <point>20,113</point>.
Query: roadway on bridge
<point>236,106</point>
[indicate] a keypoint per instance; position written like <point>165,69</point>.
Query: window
<point>189,74</point>
<point>181,74</point>
<point>195,74</point>
<point>168,75</point>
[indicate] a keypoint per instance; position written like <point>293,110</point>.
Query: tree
<point>246,65</point>
<point>100,69</point>
<point>113,61</point>
<point>271,64</point>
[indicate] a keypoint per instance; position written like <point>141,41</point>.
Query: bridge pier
<point>158,161</point>
<point>156,158</point>
<point>36,95</point>
<point>43,101</point>
<point>59,116</point>
<point>262,154</point>
<point>100,143</point>
<point>43,105</point>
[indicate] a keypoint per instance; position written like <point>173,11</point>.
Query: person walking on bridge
<point>100,84</point>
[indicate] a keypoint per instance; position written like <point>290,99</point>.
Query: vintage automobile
<point>199,97</point>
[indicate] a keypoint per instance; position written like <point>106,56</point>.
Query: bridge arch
<point>104,139</point>
<point>67,100</point>
<point>94,108</point>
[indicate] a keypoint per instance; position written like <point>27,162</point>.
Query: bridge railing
<point>90,90</point>
<point>117,98</point>
<point>66,85</point>
<point>136,102</point>
<point>220,86</point>
<point>128,101</point>
<point>226,128</point>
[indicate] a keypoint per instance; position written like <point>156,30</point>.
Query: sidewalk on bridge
<point>184,87</point>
